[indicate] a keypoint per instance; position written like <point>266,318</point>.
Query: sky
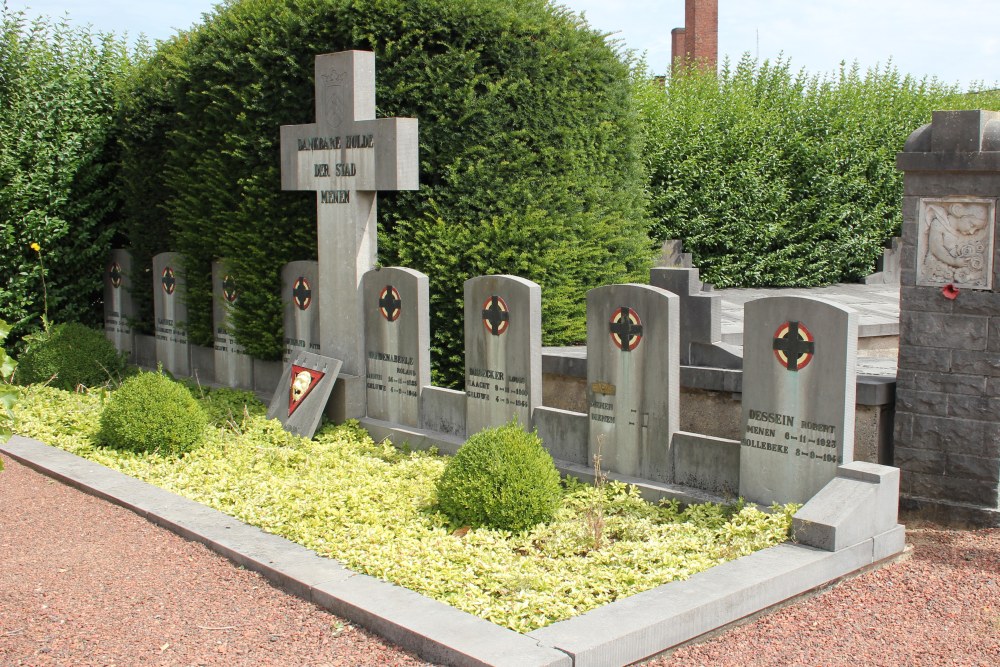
<point>956,41</point>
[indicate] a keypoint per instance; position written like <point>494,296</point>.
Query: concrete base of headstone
<point>347,400</point>
<point>564,434</point>
<point>203,364</point>
<point>266,375</point>
<point>707,463</point>
<point>861,501</point>
<point>443,410</point>
<point>144,352</point>
<point>412,437</point>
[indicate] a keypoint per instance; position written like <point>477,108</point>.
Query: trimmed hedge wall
<point>772,177</point>
<point>529,148</point>
<point>58,94</point>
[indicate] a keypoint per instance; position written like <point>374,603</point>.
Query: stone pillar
<point>947,426</point>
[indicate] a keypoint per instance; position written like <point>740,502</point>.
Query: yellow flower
<point>36,247</point>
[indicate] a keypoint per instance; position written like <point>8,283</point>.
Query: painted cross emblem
<point>794,345</point>
<point>626,329</point>
<point>115,273</point>
<point>389,303</point>
<point>302,381</point>
<point>496,315</point>
<point>168,280</point>
<point>302,293</point>
<point>229,291</point>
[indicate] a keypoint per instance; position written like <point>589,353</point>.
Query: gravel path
<point>83,582</point>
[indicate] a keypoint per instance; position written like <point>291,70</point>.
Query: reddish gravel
<point>940,606</point>
<point>83,582</point>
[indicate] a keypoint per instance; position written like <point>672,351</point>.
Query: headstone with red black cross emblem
<point>170,314</point>
<point>503,351</point>
<point>397,343</point>
<point>633,378</point>
<point>799,357</point>
<point>346,157</point>
<point>233,367</point>
<point>118,304</point>
<point>300,305</point>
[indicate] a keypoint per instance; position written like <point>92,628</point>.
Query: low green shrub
<point>150,412</point>
<point>70,355</point>
<point>500,478</point>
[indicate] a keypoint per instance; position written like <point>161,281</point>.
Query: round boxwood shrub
<point>150,412</point>
<point>500,478</point>
<point>70,355</point>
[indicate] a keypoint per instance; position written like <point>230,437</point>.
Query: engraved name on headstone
<point>170,314</point>
<point>233,367</point>
<point>346,156</point>
<point>118,303</point>
<point>397,343</point>
<point>503,351</point>
<point>633,378</point>
<point>799,357</point>
<point>299,295</point>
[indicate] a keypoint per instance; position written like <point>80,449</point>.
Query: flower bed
<point>373,507</point>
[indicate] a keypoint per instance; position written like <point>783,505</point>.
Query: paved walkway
<point>877,306</point>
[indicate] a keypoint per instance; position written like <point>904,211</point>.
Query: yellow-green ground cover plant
<point>374,508</point>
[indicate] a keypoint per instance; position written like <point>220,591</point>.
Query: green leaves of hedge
<point>529,153</point>
<point>772,177</point>
<point>58,91</point>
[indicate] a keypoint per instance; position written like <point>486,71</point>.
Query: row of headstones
<point>233,368</point>
<point>798,399</point>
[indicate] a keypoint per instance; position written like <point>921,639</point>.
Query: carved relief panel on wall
<point>955,242</point>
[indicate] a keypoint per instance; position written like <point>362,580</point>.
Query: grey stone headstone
<point>503,351</point>
<point>170,314</point>
<point>233,367</point>
<point>300,301</point>
<point>397,343</point>
<point>118,303</point>
<point>345,157</point>
<point>633,378</point>
<point>303,392</point>
<point>799,357</point>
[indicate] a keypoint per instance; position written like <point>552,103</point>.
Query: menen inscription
<point>955,242</point>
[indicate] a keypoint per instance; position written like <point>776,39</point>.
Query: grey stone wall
<point>947,422</point>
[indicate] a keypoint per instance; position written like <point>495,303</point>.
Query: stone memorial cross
<point>346,156</point>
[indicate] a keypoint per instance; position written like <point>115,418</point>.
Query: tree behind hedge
<point>777,178</point>
<point>57,167</point>
<point>530,161</point>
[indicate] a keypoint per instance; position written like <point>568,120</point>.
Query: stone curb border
<point>616,634</point>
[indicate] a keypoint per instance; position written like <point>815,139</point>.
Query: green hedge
<point>58,91</point>
<point>529,148</point>
<point>774,177</point>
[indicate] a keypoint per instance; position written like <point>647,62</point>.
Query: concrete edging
<point>616,634</point>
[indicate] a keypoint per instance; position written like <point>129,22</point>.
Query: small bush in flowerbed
<point>500,478</point>
<point>149,412</point>
<point>70,355</point>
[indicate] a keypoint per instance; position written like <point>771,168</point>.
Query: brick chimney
<point>698,41</point>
